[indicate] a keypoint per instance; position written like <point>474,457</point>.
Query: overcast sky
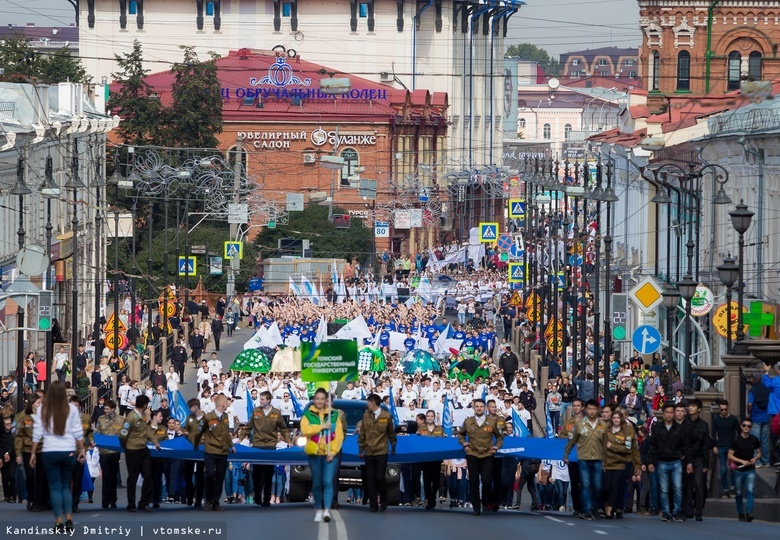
<point>558,26</point>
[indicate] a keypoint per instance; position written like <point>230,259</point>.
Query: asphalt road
<point>295,521</point>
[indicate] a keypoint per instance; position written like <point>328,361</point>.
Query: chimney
<point>30,25</point>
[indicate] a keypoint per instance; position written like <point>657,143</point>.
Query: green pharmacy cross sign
<point>757,320</point>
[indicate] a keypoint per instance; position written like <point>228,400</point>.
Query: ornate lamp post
<point>741,219</point>
<point>728,272</point>
<point>671,299</point>
<point>687,287</point>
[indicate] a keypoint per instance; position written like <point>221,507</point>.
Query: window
<point>286,9</point>
<point>684,71</point>
<point>132,7</point>
<point>567,131</point>
<point>632,74</point>
<point>547,132</point>
<point>350,155</point>
<point>602,63</point>
<point>734,70</point>
<point>575,62</point>
<point>629,63</point>
<point>363,10</point>
<point>521,123</point>
<point>754,66</point>
<point>655,71</point>
<point>210,9</point>
<point>604,73</point>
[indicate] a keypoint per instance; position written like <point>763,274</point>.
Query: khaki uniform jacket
<point>192,427</point>
<point>375,433</point>
<point>160,433</point>
<point>481,439</point>
<point>567,428</point>
<point>24,431</point>
<point>426,432</point>
<point>108,426</point>
<point>215,434</point>
<point>135,432</point>
<point>623,449</point>
<point>264,428</point>
<point>590,442</point>
<point>86,424</point>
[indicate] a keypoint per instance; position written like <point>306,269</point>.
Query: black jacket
<point>508,362</point>
<point>528,400</point>
<point>217,327</point>
<point>697,440</point>
<point>568,392</point>
<point>6,443</point>
<point>666,444</point>
<point>179,354</point>
<point>196,342</point>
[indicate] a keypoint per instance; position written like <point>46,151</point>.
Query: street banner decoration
<point>335,360</point>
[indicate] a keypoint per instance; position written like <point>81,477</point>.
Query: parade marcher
<point>193,470</point>
<point>325,434</point>
<point>481,437</point>
<point>621,447</point>
<point>217,443</point>
<point>197,344</point>
<point>697,457</point>
<point>78,467</point>
<point>217,327</point>
<point>37,486</point>
<point>264,428</point>
<point>57,428</point>
<point>133,437</point>
<point>179,359</point>
<point>745,451</point>
<point>109,424</point>
<point>665,454</point>
<point>567,431</point>
<point>588,435</point>
<point>725,428</point>
<point>431,470</point>
<point>160,432</point>
<point>8,460</point>
<point>376,432</point>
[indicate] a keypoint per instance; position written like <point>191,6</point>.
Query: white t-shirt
<point>560,471</point>
<point>351,394</point>
<point>407,396</point>
<point>60,359</point>
<point>215,366</point>
<point>203,376</point>
<point>173,381</point>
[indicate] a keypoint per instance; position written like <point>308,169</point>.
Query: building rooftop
<point>590,54</point>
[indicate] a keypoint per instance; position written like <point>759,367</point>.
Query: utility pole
<point>235,262</point>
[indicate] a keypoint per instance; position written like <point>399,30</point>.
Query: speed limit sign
<point>381,229</point>
<point>113,345</point>
<point>168,308</point>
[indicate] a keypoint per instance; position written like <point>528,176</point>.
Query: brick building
<point>287,123</point>
<point>673,55</point>
<point>615,62</point>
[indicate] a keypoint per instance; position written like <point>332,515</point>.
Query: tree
<point>528,51</point>
<point>135,100</point>
<point>326,240</point>
<point>21,63</point>
<point>195,118</point>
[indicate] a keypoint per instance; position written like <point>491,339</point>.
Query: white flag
<point>322,331</point>
<point>274,334</point>
<point>355,329</point>
<point>294,289</point>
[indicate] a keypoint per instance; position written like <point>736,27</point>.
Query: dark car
<point>350,476</point>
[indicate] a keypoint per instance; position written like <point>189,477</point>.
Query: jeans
<point>462,319</point>
<point>666,469</point>
<point>59,469</point>
<point>745,482</point>
<point>723,460</point>
<point>564,407</point>
<point>561,493</point>
<point>761,431</point>
<point>555,420</point>
<point>590,479</point>
<point>322,472</point>
<point>277,484</point>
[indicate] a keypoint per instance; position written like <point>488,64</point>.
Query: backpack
<point>760,396</point>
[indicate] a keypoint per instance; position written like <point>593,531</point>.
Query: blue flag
<point>250,405</point>
<point>548,430</point>
<point>484,393</point>
<point>393,410</point>
<point>296,404</point>
<point>446,417</point>
<point>179,409</point>
<point>520,429</point>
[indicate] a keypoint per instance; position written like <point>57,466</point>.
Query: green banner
<point>335,360</point>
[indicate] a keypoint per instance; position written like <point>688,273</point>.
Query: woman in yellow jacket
<point>622,448</point>
<point>324,434</point>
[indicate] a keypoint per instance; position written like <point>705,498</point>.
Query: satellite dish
<point>553,84</point>
<point>32,261</point>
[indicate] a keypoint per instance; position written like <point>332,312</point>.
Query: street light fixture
<point>49,189</point>
<point>671,299</point>
<point>741,219</point>
<point>661,197</point>
<point>687,287</point>
<point>20,188</point>
<point>609,195</point>
<point>728,272</point>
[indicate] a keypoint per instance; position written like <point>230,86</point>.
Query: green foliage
<point>196,114</point>
<point>327,241</point>
<point>21,63</point>
<point>528,51</point>
<point>141,114</point>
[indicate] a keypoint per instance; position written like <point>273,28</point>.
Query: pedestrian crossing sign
<point>234,250</point>
<point>488,232</point>
<point>516,299</point>
<point>558,280</point>
<point>188,266</point>
<point>517,208</point>
<point>516,273</point>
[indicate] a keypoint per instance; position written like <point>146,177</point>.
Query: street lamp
<point>728,272</point>
<point>671,299</point>
<point>49,190</point>
<point>687,287</point>
<point>98,182</point>
<point>741,218</point>
<point>74,183</point>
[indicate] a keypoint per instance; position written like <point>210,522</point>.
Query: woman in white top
<point>57,426</point>
<point>173,379</point>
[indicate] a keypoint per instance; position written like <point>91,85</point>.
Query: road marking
<point>600,532</point>
<point>341,527</point>
<point>556,520</point>
<point>323,531</point>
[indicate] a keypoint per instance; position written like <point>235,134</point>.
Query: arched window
<point>567,131</point>
<point>655,71</point>
<point>683,71</point>
<point>547,131</point>
<point>755,66</point>
<point>734,67</point>
<point>521,123</point>
<point>350,155</point>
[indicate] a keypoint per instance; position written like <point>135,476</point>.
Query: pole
<point>149,263</point>
<point>132,282</point>
<point>740,295</point>
<point>98,236</point>
<point>187,253</point>
<point>49,334</point>
<point>116,279</point>
<point>728,320</point>
<point>165,266</point>
<point>238,171</point>
<point>74,330</point>
<point>20,357</point>
<point>708,53</point>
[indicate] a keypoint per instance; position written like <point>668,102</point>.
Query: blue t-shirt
<point>384,338</point>
<point>459,335</point>
<point>470,342</point>
<point>409,343</point>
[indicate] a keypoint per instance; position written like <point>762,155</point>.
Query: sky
<point>558,26</point>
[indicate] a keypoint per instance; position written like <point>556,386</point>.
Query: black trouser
<point>77,476</point>
<point>336,481</point>
<point>574,486</point>
<point>376,468</point>
<point>694,488</point>
<point>431,477</point>
<point>193,488</point>
<point>196,355</point>
<point>139,462</point>
<point>262,478</point>
<point>9,477</point>
<point>528,481</point>
<point>37,484</point>
<point>215,466</point>
<point>480,472</point>
<point>109,465</point>
<point>614,488</point>
<point>498,465</point>
<point>178,367</point>
<point>217,337</point>
<point>158,468</point>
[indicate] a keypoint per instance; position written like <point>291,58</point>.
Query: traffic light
<point>44,310</point>
<point>619,312</point>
